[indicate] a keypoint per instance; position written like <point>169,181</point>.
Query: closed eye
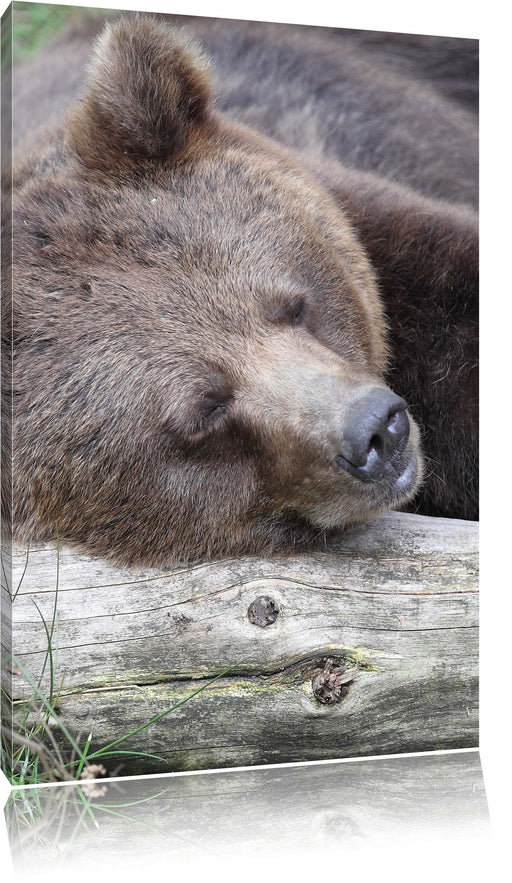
<point>292,312</point>
<point>298,312</point>
<point>204,413</point>
<point>213,407</point>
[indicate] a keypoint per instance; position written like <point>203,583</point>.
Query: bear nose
<point>375,433</point>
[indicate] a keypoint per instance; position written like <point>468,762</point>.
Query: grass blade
<point>158,717</point>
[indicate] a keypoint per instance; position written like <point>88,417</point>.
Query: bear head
<point>198,341</point>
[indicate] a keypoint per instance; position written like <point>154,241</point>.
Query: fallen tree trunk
<point>367,647</point>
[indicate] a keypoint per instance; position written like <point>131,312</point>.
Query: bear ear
<point>147,92</point>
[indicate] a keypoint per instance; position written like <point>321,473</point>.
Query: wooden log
<point>394,603</point>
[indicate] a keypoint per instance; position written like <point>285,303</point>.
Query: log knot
<point>330,684</point>
<point>263,611</point>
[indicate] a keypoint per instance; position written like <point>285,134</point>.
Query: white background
<point>486,22</point>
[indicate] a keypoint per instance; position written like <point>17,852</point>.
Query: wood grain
<point>395,602</point>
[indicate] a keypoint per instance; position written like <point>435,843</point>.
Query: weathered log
<point>393,603</point>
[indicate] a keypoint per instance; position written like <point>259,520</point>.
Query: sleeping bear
<point>245,278</point>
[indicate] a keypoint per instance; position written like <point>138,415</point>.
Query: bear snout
<point>374,436</point>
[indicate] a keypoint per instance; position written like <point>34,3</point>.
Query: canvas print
<point>239,393</point>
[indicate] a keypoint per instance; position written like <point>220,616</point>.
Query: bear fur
<point>210,267</point>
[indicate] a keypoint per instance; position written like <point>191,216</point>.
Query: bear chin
<point>338,514</point>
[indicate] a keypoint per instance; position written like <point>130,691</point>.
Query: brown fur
<point>147,92</point>
<point>194,316</point>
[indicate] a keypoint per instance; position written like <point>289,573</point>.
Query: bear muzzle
<point>338,438</point>
<point>374,436</point>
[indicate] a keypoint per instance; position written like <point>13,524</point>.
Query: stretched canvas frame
<point>368,646</point>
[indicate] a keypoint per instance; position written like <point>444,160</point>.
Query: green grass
<point>36,23</point>
<point>31,754</point>
<point>36,757</point>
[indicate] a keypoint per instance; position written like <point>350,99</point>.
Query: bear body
<point>229,286</point>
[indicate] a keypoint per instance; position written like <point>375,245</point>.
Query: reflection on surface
<point>320,806</point>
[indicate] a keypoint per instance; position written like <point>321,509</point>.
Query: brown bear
<point>237,264</point>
